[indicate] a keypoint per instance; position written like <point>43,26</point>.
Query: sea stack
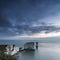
<point>29,46</point>
<point>36,45</point>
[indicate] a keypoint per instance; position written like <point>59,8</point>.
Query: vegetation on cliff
<point>7,57</point>
<point>4,56</point>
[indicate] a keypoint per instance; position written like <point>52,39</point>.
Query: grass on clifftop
<point>7,57</point>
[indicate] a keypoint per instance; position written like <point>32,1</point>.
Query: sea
<point>45,51</point>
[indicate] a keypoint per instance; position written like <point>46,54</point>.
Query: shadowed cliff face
<point>3,48</point>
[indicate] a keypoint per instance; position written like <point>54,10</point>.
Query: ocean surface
<point>45,51</point>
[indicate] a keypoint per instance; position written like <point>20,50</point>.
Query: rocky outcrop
<point>28,46</point>
<point>3,48</point>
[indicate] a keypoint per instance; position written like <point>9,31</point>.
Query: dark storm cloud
<point>4,22</point>
<point>25,16</point>
<point>37,29</point>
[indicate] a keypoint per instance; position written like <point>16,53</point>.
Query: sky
<point>29,18</point>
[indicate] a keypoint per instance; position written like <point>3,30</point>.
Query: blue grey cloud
<point>28,16</point>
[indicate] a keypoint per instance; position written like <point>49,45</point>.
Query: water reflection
<point>26,55</point>
<point>45,51</point>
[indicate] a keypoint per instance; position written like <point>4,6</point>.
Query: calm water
<point>46,51</point>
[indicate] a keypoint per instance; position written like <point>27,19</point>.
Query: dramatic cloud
<point>28,17</point>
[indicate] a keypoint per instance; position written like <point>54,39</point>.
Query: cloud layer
<point>28,17</point>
